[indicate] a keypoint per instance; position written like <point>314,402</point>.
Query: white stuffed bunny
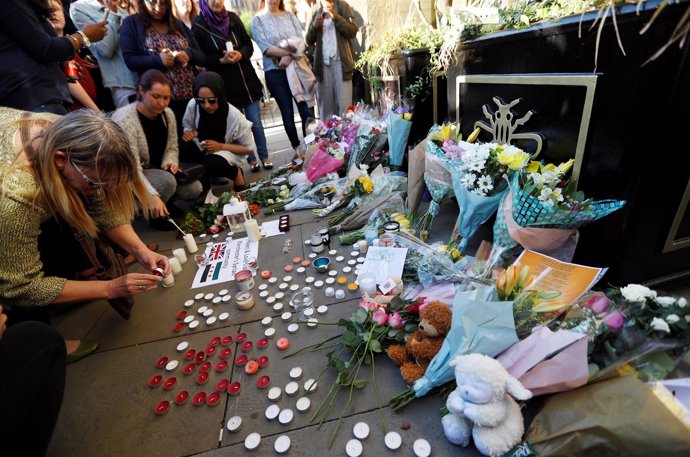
<point>482,405</point>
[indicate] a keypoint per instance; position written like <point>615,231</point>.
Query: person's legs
<point>326,94</point>
<point>163,181</point>
<point>32,383</point>
<point>277,83</point>
<point>346,95</point>
<point>305,113</point>
<point>253,114</point>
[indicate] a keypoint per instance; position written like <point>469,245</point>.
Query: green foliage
<point>246,18</point>
<point>524,13</point>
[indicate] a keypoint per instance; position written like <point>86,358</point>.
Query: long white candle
<point>190,243</point>
<point>181,255</point>
<point>252,228</point>
<point>168,281</point>
<point>175,265</point>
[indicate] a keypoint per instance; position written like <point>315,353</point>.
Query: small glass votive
<point>201,260</point>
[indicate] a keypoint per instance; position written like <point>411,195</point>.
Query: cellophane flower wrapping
<point>398,131</point>
<point>319,196</point>
<point>326,159</point>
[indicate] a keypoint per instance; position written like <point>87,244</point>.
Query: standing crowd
<point>182,98</point>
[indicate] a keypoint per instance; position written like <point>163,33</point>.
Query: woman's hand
<point>188,135</point>
<point>96,32</point>
<point>167,58</point>
<point>157,207</point>
<point>171,167</point>
<point>131,284</point>
<point>318,21</point>
<point>182,58</point>
<point>285,61</point>
<point>152,260</point>
<point>213,146</point>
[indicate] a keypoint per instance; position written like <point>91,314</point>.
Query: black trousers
<point>32,382</point>
<point>216,166</point>
<point>62,256</point>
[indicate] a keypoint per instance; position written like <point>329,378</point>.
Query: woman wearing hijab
<point>222,37</point>
<point>222,134</point>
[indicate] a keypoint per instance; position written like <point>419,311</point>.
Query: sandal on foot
<point>267,164</point>
<point>254,167</point>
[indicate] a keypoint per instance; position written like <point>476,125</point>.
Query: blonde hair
<point>91,141</point>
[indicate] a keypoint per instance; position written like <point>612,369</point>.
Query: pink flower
<point>380,317</point>
<point>220,218</point>
<point>614,320</point>
<point>599,303</point>
<point>367,305</point>
<point>213,229</point>
<point>396,321</point>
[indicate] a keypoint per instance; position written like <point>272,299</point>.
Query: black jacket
<point>242,86</point>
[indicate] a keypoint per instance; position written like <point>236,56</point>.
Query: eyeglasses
<point>87,180</point>
<point>203,101</point>
<point>157,3</point>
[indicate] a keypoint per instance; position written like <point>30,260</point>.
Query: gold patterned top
<point>22,281</point>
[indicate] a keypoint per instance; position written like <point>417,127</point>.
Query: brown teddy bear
<point>414,356</point>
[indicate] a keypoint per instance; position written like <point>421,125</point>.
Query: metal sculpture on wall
<point>503,126</point>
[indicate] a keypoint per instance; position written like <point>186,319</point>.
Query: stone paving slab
<point>108,408</point>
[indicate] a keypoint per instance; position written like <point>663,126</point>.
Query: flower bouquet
<point>542,210</point>
<point>327,158</point>
<point>627,325</point>
<point>479,182</point>
<point>398,125</point>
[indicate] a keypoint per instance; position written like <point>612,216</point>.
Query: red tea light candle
<point>199,399</point>
<point>262,361</point>
<point>222,385</point>
<point>262,343</point>
<point>305,263</point>
<point>181,315</point>
<point>178,327</point>
<point>189,369</point>
<point>234,388</point>
<point>155,381</point>
<point>169,383</point>
<point>287,268</point>
<point>160,363</point>
<point>200,357</point>
<point>226,341</point>
<point>265,274</point>
<point>181,398</point>
<point>240,337</point>
<point>241,360</point>
<point>204,367</point>
<point>162,407</point>
<point>189,354</point>
<point>202,378</point>
<point>210,350</point>
<point>213,399</point>
<point>252,367</point>
<point>297,260</point>
<point>263,382</point>
<point>283,344</point>
<point>215,341</point>
<point>221,366</point>
<point>225,353</point>
<point>247,346</point>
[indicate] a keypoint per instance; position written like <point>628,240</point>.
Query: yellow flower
<point>407,116</point>
<point>533,167</point>
<point>514,160</point>
<point>565,167</point>
<point>473,136</point>
<point>446,131</point>
<point>367,185</point>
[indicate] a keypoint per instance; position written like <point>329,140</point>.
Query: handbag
<point>108,265</point>
<point>190,172</point>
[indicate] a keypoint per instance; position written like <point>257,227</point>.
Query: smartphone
<point>229,47</point>
<point>199,144</point>
<point>105,15</point>
<point>298,161</point>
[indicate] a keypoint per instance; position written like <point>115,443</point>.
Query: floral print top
<point>182,78</point>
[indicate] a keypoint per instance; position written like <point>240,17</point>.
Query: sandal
<point>255,168</point>
<point>267,165</point>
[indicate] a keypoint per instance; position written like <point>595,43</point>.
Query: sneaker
<point>255,168</point>
<point>267,165</point>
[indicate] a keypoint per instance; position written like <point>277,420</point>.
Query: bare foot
<point>72,345</point>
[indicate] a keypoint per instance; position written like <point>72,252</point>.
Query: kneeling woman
<point>60,174</point>
<point>223,134</point>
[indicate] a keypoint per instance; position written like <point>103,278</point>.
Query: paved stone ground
<point>108,409</point>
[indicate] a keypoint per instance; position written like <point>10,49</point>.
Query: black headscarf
<point>212,126</point>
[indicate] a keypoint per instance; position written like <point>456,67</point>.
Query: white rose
<point>682,302</point>
<point>665,301</point>
<point>660,324</point>
<point>672,318</point>
<point>637,293</point>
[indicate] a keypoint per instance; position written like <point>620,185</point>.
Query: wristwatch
<point>85,39</point>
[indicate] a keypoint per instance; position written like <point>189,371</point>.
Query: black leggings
<point>216,166</point>
<point>32,382</point>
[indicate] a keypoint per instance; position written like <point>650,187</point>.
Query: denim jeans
<point>253,113</point>
<point>277,83</point>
